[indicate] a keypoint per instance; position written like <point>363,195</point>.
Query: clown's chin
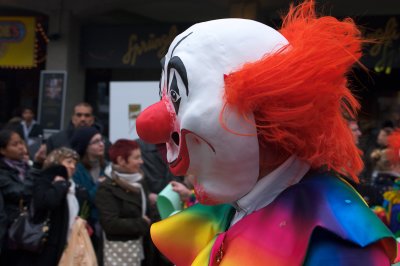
<point>203,197</point>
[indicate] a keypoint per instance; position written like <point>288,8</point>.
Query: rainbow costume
<point>318,219</point>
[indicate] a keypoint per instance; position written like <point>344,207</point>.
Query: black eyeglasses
<point>83,114</point>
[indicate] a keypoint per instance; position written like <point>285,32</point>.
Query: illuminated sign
<point>17,42</point>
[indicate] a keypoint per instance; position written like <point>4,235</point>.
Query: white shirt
<point>270,186</point>
<point>27,129</point>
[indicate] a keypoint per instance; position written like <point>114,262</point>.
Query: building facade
<point>79,47</point>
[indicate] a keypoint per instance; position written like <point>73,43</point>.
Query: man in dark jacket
<point>82,116</point>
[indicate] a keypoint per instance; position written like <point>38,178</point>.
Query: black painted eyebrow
<point>178,65</point>
<point>162,62</point>
<point>176,45</point>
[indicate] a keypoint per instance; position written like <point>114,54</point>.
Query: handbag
<point>25,234</point>
<point>79,250</point>
<point>128,252</point>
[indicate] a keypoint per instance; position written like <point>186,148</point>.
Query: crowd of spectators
<point>75,175</point>
<point>77,172</point>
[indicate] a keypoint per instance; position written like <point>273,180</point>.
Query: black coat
<point>50,201</point>
<point>120,212</point>
<point>155,169</point>
<point>35,132</point>
<point>60,139</point>
<point>12,190</point>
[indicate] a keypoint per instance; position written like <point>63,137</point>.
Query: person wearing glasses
<point>89,144</point>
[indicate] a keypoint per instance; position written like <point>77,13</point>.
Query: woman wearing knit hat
<point>89,144</point>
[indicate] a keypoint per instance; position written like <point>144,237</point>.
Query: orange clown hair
<point>394,147</point>
<point>299,94</point>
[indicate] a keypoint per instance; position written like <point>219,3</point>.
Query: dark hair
<point>387,124</point>
<point>27,108</point>
<point>123,148</point>
<point>85,104</point>
<point>5,136</point>
<point>87,164</point>
<point>387,130</point>
<point>80,141</point>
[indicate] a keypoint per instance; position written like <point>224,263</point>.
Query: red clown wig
<point>299,95</point>
<point>393,152</point>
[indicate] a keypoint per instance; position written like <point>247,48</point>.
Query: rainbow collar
<point>278,233</point>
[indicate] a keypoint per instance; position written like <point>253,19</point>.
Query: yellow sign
<point>17,42</point>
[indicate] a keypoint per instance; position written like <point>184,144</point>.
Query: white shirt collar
<point>270,186</point>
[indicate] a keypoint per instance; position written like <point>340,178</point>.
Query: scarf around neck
<point>19,165</point>
<point>73,206</point>
<point>132,180</point>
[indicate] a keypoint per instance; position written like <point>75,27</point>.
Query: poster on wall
<point>51,99</point>
<point>127,100</point>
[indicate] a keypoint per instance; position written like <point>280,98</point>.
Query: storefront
<point>122,53</point>
<point>93,51</point>
<point>23,43</point>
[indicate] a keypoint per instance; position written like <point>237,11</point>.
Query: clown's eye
<point>174,94</point>
<point>161,84</point>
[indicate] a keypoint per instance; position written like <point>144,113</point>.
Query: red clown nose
<point>154,124</point>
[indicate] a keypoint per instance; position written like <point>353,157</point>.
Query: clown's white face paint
<point>226,165</point>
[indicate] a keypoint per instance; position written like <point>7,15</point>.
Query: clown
<point>256,115</point>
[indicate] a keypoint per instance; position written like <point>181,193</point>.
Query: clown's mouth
<point>175,162</point>
<point>180,165</point>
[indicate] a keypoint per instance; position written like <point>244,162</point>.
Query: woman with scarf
<point>54,199</point>
<point>121,201</point>
<point>15,192</point>
<point>89,144</point>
